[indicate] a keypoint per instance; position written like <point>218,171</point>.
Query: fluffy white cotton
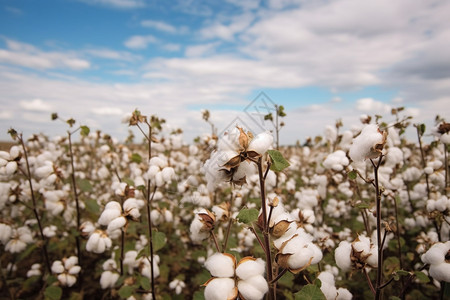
<point>250,268</point>
<point>435,257</point>
<point>108,279</point>
<point>336,161</point>
<point>342,255</point>
<point>220,265</point>
<point>261,143</point>
<point>363,144</point>
<point>253,288</point>
<point>220,289</point>
<point>117,223</point>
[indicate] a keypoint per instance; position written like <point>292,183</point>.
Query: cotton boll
<point>112,211</point>
<point>250,267</point>
<point>220,289</point>
<point>342,255</point>
<point>108,279</point>
<point>117,223</point>
<point>253,288</point>
<point>168,174</point>
<point>221,265</point>
<point>67,279</point>
<point>10,168</point>
<point>363,145</point>
<point>445,138</point>
<point>440,272</point>
<point>57,267</point>
<point>436,254</point>
<point>5,233</point>
<point>261,143</point>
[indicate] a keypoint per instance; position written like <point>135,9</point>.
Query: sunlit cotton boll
<point>112,211</point>
<point>220,265</point>
<point>362,146</point>
<point>145,267</point>
<point>261,143</point>
<point>131,208</point>
<point>253,288</point>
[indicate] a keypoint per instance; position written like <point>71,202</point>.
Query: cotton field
<point>352,214</point>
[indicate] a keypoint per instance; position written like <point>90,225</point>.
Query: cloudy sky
<point>96,60</point>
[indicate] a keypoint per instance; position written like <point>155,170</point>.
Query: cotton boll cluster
<point>132,262</point>
<point>336,161</point>
<point>159,171</point>
<point>66,270</point>
<point>442,204</point>
<point>329,289</point>
<point>368,144</point>
<point>248,274</point>
<point>437,258</point>
<point>336,208</point>
<point>307,198</point>
<point>232,160</point>
<point>55,201</point>
<point>8,161</point>
<point>114,216</point>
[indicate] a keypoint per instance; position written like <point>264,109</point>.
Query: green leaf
<point>198,295</point>
<point>422,277</point>
<point>128,181</point>
<point>145,283</point>
<point>126,291</point>
<point>84,185</point>
<point>352,175</point>
<point>92,206</point>
<point>53,292</point>
<point>27,252</point>
<point>279,163</point>
<point>310,292</point>
<point>159,240</point>
<point>54,116</point>
<point>362,205</point>
<point>268,117</point>
<point>135,157</point>
<point>84,130</point>
<point>248,215</point>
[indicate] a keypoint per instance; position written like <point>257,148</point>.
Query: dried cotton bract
<point>369,144</point>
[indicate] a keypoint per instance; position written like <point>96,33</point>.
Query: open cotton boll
<point>445,138</point>
<point>363,145</point>
<point>261,143</point>
<point>249,267</point>
<point>342,255</point>
<point>220,289</point>
<point>436,254</point>
<point>57,267</point>
<point>253,288</point>
<point>440,272</point>
<point>117,223</point>
<point>168,174</point>
<point>158,162</point>
<point>221,265</point>
<point>108,279</point>
<point>328,285</point>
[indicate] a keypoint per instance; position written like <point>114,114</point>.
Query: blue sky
<point>96,60</point>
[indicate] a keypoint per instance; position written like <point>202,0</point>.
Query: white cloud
<point>172,47</point>
<point>37,105</point>
<point>117,3</point>
<point>200,50</point>
<point>25,55</point>
<point>108,111</point>
<point>159,25</point>
<point>371,106</point>
<point>112,54</point>
<point>140,41</point>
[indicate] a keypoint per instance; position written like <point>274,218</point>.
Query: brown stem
<point>369,281</point>
<point>30,183</point>
<point>378,216</point>
<point>272,293</point>
<point>213,237</point>
<point>75,194</point>
<point>424,164</point>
